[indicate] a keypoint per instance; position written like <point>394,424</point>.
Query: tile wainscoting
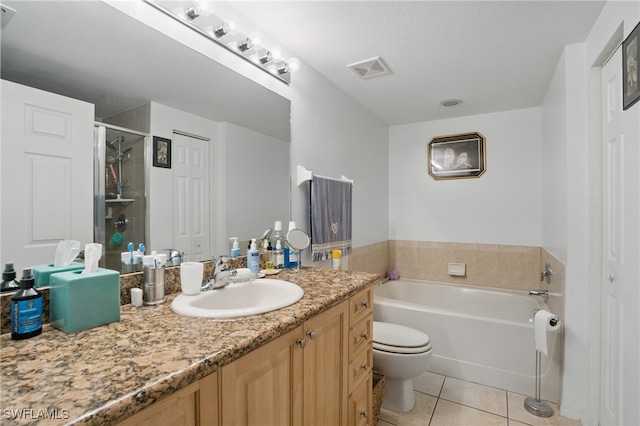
<point>488,265</point>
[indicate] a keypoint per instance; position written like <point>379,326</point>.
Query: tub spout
<point>543,293</point>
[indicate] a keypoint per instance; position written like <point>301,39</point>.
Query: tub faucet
<point>220,274</point>
<point>545,275</point>
<point>543,293</point>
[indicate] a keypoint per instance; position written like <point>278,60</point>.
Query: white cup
<point>136,297</point>
<point>191,277</point>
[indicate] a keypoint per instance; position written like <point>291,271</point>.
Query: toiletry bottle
<point>9,282</point>
<point>336,259</point>
<point>270,258</point>
<point>277,234</point>
<point>290,255</point>
<point>253,258</point>
<point>26,309</point>
<point>278,255</point>
<point>235,247</point>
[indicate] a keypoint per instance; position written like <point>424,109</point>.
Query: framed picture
<point>456,156</point>
<point>161,152</point>
<point>630,56</point>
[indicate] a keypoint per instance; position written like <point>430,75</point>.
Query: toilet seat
<point>396,338</point>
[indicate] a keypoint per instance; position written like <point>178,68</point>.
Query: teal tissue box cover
<point>80,302</point>
<point>42,273</point>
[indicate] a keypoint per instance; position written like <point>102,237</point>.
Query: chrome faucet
<point>543,293</point>
<point>220,274</point>
<point>545,275</point>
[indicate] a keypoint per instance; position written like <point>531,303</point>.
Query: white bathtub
<point>478,334</point>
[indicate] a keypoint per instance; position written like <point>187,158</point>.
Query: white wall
<point>500,207</point>
<point>257,187</point>
<point>164,121</point>
<point>571,229</point>
<point>332,135</point>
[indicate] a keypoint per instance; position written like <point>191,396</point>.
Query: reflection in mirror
<point>105,57</point>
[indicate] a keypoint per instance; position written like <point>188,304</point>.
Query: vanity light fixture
<point>245,45</point>
<point>192,12</point>
<point>199,17</point>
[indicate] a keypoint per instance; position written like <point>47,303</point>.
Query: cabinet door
<point>325,367</point>
<point>360,413</point>
<point>264,386</point>
<point>179,408</point>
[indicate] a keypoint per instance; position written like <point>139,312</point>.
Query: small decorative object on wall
<point>630,57</point>
<point>456,156</point>
<point>161,152</point>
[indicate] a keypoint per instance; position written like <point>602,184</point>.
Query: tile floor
<point>444,400</point>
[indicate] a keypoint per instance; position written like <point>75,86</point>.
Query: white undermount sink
<point>237,300</point>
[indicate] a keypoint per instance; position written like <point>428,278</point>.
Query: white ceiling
<point>494,55</point>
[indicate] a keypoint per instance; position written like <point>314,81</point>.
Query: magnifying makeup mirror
<point>298,240</point>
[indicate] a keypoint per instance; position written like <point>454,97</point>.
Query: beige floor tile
<point>519,413</point>
<point>474,395</point>
<point>452,414</point>
<point>418,416</point>
<point>383,423</point>
<point>429,383</point>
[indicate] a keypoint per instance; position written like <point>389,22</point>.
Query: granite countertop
<point>106,374</point>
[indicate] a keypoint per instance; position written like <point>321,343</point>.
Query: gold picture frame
<point>460,156</point>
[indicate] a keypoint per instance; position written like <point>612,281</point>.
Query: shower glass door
<point>120,202</point>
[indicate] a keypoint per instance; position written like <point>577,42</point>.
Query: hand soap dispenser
<point>235,247</point>
<point>253,258</point>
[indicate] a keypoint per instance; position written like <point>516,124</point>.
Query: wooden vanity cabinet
<point>299,378</point>
<point>196,404</point>
<point>361,358</point>
<point>317,374</point>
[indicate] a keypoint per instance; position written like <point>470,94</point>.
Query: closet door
<point>47,173</point>
<point>191,197</point>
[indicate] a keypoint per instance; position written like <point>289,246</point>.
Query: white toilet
<point>400,353</point>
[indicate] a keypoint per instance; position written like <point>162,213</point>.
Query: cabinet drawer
<point>361,334</point>
<point>360,410</point>
<point>360,305</point>
<point>360,367</point>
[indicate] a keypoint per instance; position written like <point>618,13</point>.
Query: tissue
<point>92,255</point>
<point>66,251</point>
<point>544,321</point>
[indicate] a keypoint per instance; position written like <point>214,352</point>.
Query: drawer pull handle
<point>365,367</point>
<point>365,336</point>
<point>364,414</point>
<point>366,304</point>
<point>302,342</point>
<point>312,335</point>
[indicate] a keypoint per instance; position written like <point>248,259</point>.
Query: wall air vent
<point>373,67</point>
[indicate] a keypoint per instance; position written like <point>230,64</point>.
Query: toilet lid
<point>399,339</point>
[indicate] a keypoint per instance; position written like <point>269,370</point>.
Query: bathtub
<point>478,334</point>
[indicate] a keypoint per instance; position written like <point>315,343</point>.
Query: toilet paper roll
<point>544,321</point>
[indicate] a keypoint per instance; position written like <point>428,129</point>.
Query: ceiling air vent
<point>373,67</point>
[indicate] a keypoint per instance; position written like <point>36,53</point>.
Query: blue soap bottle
<point>26,309</point>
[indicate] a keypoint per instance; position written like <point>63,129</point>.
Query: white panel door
<point>47,173</point>
<point>613,243</point>
<point>191,197</point>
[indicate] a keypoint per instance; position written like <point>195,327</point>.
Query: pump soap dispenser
<point>253,258</point>
<point>235,247</point>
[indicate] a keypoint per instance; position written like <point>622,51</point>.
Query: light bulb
<point>205,6</point>
<point>233,26</point>
<point>276,53</point>
<point>257,40</point>
<point>294,65</point>
<point>245,45</point>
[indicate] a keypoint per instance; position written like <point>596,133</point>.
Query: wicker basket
<point>378,393</point>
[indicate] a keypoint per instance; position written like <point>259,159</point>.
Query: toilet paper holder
<point>553,321</point>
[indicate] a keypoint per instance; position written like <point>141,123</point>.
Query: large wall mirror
<point>93,52</point>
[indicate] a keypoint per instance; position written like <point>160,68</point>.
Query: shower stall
<point>120,202</point>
